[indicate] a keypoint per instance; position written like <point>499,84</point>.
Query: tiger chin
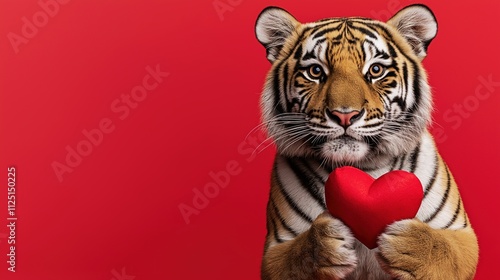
<point>352,91</point>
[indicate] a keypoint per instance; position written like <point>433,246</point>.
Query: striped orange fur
<point>352,91</point>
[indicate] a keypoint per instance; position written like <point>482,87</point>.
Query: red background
<point>117,213</point>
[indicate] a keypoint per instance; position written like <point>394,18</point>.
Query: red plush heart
<point>367,205</point>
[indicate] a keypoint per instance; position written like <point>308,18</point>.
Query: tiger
<point>353,92</point>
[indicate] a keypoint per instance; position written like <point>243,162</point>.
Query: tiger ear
<point>273,27</point>
<point>418,26</point>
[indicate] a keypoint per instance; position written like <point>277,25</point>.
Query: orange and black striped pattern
<point>352,91</point>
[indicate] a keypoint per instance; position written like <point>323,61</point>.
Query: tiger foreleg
<point>411,249</point>
<point>325,251</point>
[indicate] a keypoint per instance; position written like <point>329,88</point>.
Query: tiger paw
<point>410,249</point>
<point>332,245</point>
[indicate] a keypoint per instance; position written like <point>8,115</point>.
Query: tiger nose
<point>345,119</point>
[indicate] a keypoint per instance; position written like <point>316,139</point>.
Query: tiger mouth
<point>343,139</point>
<point>345,149</point>
<point>347,142</point>
<point>346,138</point>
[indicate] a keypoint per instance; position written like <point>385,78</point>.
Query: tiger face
<point>346,90</point>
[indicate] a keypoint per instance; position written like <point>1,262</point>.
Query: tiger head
<point>346,90</point>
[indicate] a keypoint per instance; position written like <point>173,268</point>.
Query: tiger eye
<point>315,71</point>
<point>376,70</point>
